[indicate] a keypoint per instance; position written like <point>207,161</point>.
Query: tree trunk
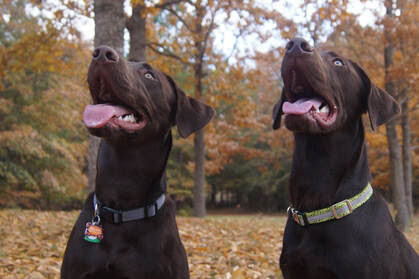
<point>396,164</point>
<point>396,169</point>
<point>199,175</point>
<point>109,30</point>
<point>92,160</point>
<point>407,156</point>
<point>199,141</point>
<point>109,24</point>
<point>136,26</point>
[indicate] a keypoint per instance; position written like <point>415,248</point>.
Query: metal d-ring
<point>96,220</point>
<point>96,217</point>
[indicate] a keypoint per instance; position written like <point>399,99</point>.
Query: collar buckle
<point>296,216</point>
<point>117,217</point>
<point>349,205</point>
<point>334,212</point>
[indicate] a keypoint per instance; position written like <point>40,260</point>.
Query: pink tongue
<point>301,106</point>
<point>96,116</point>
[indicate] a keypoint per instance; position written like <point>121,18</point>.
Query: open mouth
<point>100,115</point>
<point>314,109</point>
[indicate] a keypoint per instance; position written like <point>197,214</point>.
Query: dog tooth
<point>325,109</point>
<point>129,118</point>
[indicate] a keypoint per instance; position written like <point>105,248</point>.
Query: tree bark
<point>199,175</point>
<point>396,169</point>
<point>109,30</point>
<point>199,140</point>
<point>396,164</point>
<point>136,26</point>
<point>92,163</point>
<point>407,156</point>
<point>109,24</point>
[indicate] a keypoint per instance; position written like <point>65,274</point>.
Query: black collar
<point>118,216</point>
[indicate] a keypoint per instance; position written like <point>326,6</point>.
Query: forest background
<point>226,53</point>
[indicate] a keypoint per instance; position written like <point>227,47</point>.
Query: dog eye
<point>338,62</point>
<point>149,76</point>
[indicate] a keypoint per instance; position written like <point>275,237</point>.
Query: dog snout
<point>298,46</point>
<point>105,54</point>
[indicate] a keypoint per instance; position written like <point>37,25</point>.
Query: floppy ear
<point>191,114</point>
<point>381,105</point>
<point>277,112</point>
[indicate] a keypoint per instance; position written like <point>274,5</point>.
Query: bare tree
<point>396,164</point>
<point>109,30</point>
<point>136,25</point>
<point>201,36</point>
<point>407,154</point>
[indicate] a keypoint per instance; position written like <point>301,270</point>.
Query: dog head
<point>132,101</point>
<point>324,91</point>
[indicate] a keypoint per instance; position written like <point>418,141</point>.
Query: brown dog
<point>338,226</point>
<point>127,229</point>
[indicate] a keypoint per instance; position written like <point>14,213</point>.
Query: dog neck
<point>129,175</point>
<point>328,168</point>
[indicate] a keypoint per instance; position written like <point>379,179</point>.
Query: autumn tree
<point>254,171</point>
<point>42,141</point>
<point>187,36</point>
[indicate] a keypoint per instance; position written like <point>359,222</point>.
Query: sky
<point>224,35</point>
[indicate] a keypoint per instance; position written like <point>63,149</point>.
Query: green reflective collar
<point>336,211</point>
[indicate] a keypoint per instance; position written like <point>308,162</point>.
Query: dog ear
<point>277,112</point>
<point>381,105</point>
<point>191,115</point>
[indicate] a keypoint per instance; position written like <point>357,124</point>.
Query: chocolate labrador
<point>338,227</point>
<point>127,228</point>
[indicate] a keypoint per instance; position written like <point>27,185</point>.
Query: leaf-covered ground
<point>32,244</point>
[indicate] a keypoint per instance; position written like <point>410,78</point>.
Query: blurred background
<point>226,53</point>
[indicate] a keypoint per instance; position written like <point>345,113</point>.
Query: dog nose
<point>105,54</point>
<point>298,46</point>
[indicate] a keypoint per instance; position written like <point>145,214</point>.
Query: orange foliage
<point>42,87</point>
